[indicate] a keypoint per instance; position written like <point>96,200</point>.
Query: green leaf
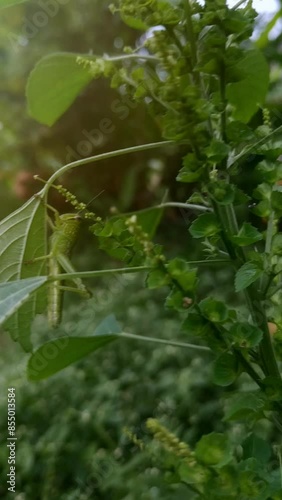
<point>157,278</point>
<point>249,93</point>
<point>217,151</point>
<point>262,209</point>
<point>134,23</point>
<point>214,450</point>
<point>263,192</point>
<point>246,275</point>
<point>198,474</point>
<point>195,324</point>
<point>244,404</point>
<point>185,175</point>
<point>9,3</point>
<point>191,170</point>
<point>57,354</point>
<point>222,192</point>
<point>225,370</point>
<point>214,310</point>
<point>256,447</point>
<point>175,300</point>
<point>23,238</point>
<point>273,388</point>
<point>178,300</point>
<point>239,132</point>
<point>54,84</point>
<point>15,293</point>
<point>244,335</point>
<point>247,235</point>
<point>181,272</point>
<point>269,171</point>
<point>204,226</point>
<point>277,244</point>
<point>276,200</point>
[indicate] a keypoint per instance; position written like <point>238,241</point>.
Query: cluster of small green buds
<point>133,438</point>
<point>70,197</point>
<point>168,439</point>
<point>79,206</point>
<point>213,174</point>
<point>97,67</point>
<point>135,229</point>
<point>266,117</point>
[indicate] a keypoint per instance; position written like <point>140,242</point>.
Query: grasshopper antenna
<point>89,203</point>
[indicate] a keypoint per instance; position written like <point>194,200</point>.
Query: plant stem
<point>269,233</point>
<point>103,156</point>
<point>238,4</point>
<point>187,206</point>
<point>191,38</point>
<point>269,363</point>
<point>166,342</point>
<point>248,368</point>
<point>122,57</point>
<point>125,270</point>
<point>261,142</point>
<point>223,102</point>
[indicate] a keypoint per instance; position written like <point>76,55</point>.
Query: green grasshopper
<point>62,241</point>
<point>65,234</point>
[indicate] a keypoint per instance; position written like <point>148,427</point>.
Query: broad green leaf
<point>54,84</point>
<point>277,244</point>
<point>225,370</point>
<point>273,388</point>
<point>9,3</point>
<point>247,235</point>
<point>214,450</point>
<point>204,226</point>
<point>249,93</point>
<point>214,310</point>
<point>198,474</point>
<point>244,335</point>
<point>276,200</point>
<point>269,171</point>
<point>217,151</point>
<point>23,238</point>
<point>57,354</point>
<point>195,324</point>
<point>181,272</point>
<point>157,278</point>
<point>263,191</point>
<point>239,132</point>
<point>13,294</point>
<point>191,170</point>
<point>222,192</point>
<point>246,275</point>
<point>256,447</point>
<point>175,300</point>
<point>185,175</point>
<point>244,404</point>
<point>134,23</point>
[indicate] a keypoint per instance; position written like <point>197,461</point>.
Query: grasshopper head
<point>65,218</point>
